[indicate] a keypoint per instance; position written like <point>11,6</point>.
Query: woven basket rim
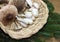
<point>27,32</point>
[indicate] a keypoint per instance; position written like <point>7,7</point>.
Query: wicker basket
<point>32,29</point>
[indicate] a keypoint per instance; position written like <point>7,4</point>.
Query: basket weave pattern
<point>31,29</point>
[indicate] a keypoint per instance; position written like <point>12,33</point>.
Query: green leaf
<point>57,34</point>
<point>35,39</point>
<point>44,34</point>
<point>50,5</point>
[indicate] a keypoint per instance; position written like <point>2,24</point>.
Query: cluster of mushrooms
<point>21,12</point>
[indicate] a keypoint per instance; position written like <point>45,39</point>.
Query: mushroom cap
<point>20,4</point>
<point>7,14</point>
<point>4,1</point>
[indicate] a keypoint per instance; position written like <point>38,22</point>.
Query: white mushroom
<point>30,21</point>
<point>23,24</point>
<point>29,2</point>
<point>25,20</point>
<point>33,18</point>
<point>21,21</point>
<point>35,12</point>
<point>17,26</point>
<point>28,14</point>
<point>36,5</point>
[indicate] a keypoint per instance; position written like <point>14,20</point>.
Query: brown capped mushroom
<point>7,14</point>
<point>20,4</point>
<point>3,1</point>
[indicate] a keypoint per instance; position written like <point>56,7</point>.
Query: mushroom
<point>7,14</point>
<point>36,5</point>
<point>23,24</point>
<point>29,3</point>
<point>33,18</point>
<point>34,11</point>
<point>28,14</point>
<point>25,20</point>
<point>4,1</point>
<point>20,4</point>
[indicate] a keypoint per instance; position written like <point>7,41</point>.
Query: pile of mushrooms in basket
<point>22,18</point>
